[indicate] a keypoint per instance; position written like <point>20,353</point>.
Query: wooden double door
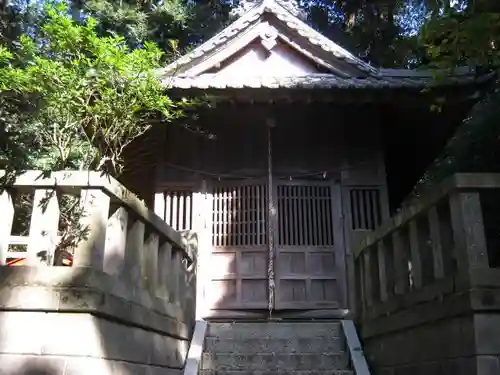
<point>282,250</point>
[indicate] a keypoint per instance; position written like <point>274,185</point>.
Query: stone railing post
<point>6,219</point>
<point>436,242</point>
<point>383,268</point>
<point>164,270</point>
<point>468,230</point>
<point>43,227</point>
<point>94,204</point>
<point>150,263</point>
<point>134,250</point>
<point>415,255</point>
<point>400,247</point>
<point>368,277</point>
<point>116,242</point>
<point>175,276</point>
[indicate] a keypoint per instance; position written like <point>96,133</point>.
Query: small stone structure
<point>428,283</point>
<point>125,306</point>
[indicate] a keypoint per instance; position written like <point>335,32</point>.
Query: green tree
<point>467,35</point>
<point>73,100</point>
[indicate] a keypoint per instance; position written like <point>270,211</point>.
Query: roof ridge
<point>283,14</point>
<point>217,39</point>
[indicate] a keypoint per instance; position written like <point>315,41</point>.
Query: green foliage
<point>470,36</point>
<point>473,148</point>
<point>463,38</point>
<point>187,22</point>
<point>71,99</point>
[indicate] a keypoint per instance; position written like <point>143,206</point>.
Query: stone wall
<point>438,338</point>
<point>73,321</point>
<point>127,303</point>
<point>81,343</point>
<point>428,289</point>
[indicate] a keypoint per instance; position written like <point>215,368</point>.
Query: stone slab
<point>272,361</point>
<point>274,345</point>
<point>274,330</point>
<point>278,372</point>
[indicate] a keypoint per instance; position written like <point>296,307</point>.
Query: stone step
<point>278,372</point>
<point>274,362</point>
<point>274,345</point>
<point>278,330</point>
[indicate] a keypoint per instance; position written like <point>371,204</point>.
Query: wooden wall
<point>307,140</point>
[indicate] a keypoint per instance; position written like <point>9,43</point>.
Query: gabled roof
<point>270,23</point>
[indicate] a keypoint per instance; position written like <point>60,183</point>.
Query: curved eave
<point>324,87</point>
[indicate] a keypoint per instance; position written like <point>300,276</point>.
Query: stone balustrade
<point>428,282</point>
<point>127,302</point>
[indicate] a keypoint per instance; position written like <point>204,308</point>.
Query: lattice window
<point>305,216</point>
<point>179,209</point>
<point>366,213</point>
<point>240,215</point>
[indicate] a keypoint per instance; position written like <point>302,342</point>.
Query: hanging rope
<point>270,234</point>
<point>219,176</point>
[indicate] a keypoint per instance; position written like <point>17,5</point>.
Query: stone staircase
<point>275,348</point>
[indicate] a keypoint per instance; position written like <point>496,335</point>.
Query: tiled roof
<point>180,74</point>
<point>252,17</point>
<point>312,81</point>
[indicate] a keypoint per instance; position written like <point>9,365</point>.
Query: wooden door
<point>239,258</point>
<point>309,261</point>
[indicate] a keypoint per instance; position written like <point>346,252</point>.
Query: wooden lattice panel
<point>366,213</point>
<point>306,260</point>
<point>177,210</point>
<point>240,216</point>
<point>239,239</point>
<point>305,216</point>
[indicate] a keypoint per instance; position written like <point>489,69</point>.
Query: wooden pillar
<point>343,266</point>
<point>202,225</point>
<point>159,204</point>
<point>272,218</point>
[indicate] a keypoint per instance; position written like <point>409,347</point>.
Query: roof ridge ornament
<point>292,6</point>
